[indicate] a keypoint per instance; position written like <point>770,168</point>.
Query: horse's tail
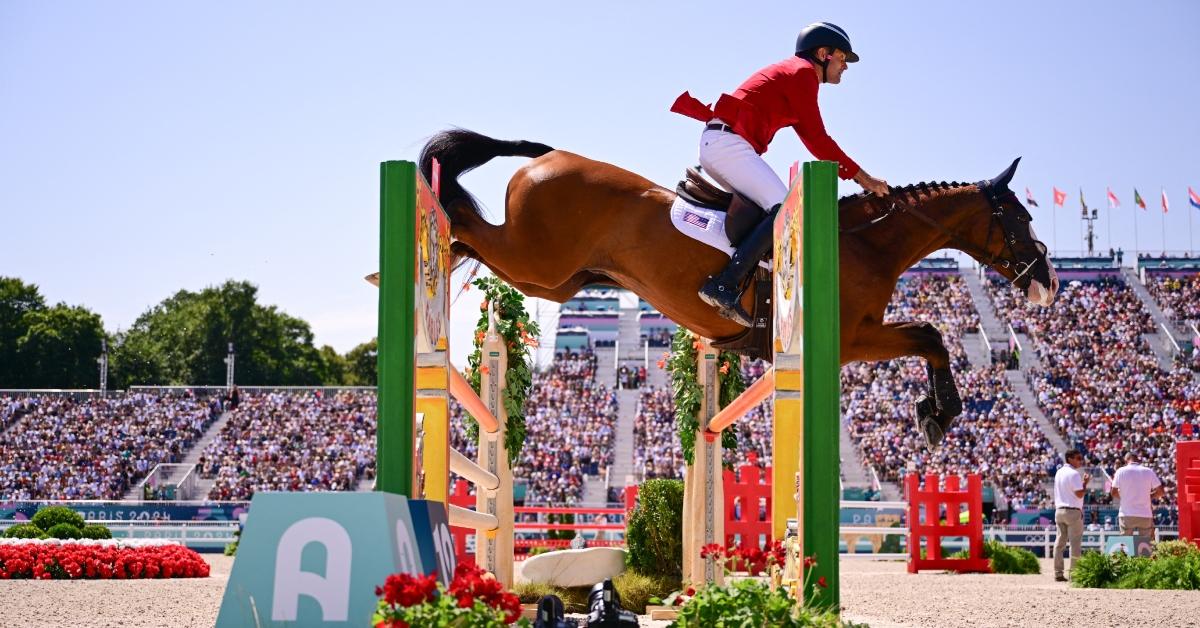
<point>459,151</point>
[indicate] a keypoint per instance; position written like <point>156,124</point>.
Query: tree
<point>60,347</point>
<point>361,362</point>
<point>336,367</point>
<point>185,339</point>
<point>16,300</point>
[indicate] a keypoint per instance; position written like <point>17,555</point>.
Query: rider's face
<point>837,65</point>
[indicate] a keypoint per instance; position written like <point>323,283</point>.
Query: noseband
<point>1009,224</point>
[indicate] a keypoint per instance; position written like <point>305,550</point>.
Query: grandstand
<point>1112,364</point>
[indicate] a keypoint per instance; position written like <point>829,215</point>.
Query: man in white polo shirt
<point>1136,485</point>
<point>1069,485</point>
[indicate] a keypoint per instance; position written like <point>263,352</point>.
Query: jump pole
<point>416,378</point>
<point>803,385</point>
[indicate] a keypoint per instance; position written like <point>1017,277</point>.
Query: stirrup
<point>730,307</point>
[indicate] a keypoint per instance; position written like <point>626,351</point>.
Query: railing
<point>162,478</point>
<point>1016,341</point>
<point>1170,343</point>
<point>987,344</point>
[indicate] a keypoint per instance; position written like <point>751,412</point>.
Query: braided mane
<point>924,186</point>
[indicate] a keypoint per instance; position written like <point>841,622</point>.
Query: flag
<point>696,219</point>
<point>1137,199</point>
<point>1164,200</point>
<point>1060,197</point>
<point>1029,198</point>
<point>1193,198</point>
<point>1113,203</point>
<point>1082,203</point>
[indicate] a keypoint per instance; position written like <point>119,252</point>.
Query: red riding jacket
<point>780,95</point>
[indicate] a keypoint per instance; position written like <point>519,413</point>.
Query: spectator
<point>1136,485</point>
<point>1068,511</point>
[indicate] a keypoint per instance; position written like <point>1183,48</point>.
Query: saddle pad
<point>703,225</point>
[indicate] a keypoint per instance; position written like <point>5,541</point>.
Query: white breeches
<point>731,161</point>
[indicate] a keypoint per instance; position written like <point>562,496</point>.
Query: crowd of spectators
<point>1100,383</point>
<point>656,449</point>
<point>658,336</point>
<point>59,447</point>
<point>994,436</point>
<point>293,441</point>
<point>570,421</point>
<point>1179,297</point>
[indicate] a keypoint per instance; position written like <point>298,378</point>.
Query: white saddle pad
<point>703,225</point>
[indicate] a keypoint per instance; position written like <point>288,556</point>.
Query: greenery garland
<point>519,334</point>
<point>681,365</point>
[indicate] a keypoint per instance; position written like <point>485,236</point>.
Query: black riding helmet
<point>820,34</point>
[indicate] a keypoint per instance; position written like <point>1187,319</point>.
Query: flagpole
<point>1164,225</point>
<point>1135,232</point>
<point>1110,226</point>
<point>1054,218</point>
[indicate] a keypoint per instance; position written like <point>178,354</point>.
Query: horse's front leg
<point>935,413</point>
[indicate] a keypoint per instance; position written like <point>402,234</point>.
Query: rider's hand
<point>878,187</point>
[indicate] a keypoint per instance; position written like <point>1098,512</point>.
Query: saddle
<point>741,214</point>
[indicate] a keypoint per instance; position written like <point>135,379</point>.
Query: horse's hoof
<point>925,408</point>
<point>932,432</point>
<point>945,393</point>
<point>944,421</point>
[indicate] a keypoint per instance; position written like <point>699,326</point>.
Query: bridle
<point>1011,223</point>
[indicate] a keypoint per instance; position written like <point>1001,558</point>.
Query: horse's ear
<point>1005,177</point>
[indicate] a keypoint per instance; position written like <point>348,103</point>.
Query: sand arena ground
<point>879,593</point>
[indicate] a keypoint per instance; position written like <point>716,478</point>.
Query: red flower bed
<point>70,561</point>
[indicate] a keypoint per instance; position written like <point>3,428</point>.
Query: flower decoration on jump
<point>681,365</point>
<point>520,335</point>
<point>474,598</point>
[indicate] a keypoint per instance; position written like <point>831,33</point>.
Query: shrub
<point>655,532</point>
<point>1095,570</point>
<point>48,517</point>
<point>749,603</point>
<point>231,549</point>
<point>1005,559</point>
<point>24,531</point>
<point>1164,549</point>
<point>64,531</point>
<point>1172,567</point>
<point>95,531</point>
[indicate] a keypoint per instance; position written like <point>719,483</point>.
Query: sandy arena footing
<point>879,593</point>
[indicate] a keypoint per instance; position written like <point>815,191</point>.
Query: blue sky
<point>148,147</point>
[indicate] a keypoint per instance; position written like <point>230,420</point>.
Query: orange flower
<point>696,344</point>
<point>483,306</point>
<point>483,370</point>
<point>479,336</point>
<point>725,368</point>
<point>662,364</point>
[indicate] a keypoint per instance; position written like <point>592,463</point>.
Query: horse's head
<point>1017,254</point>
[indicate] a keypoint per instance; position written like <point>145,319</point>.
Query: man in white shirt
<point>1136,485</point>
<point>1069,485</point>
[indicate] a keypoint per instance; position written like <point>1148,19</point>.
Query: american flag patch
<point>693,218</point>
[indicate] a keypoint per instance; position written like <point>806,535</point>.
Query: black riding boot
<point>723,291</point>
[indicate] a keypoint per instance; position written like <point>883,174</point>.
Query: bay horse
<point>571,221</point>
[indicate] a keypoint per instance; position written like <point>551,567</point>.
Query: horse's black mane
<point>924,186</point>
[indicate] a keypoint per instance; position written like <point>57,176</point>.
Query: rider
<point>739,128</point>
